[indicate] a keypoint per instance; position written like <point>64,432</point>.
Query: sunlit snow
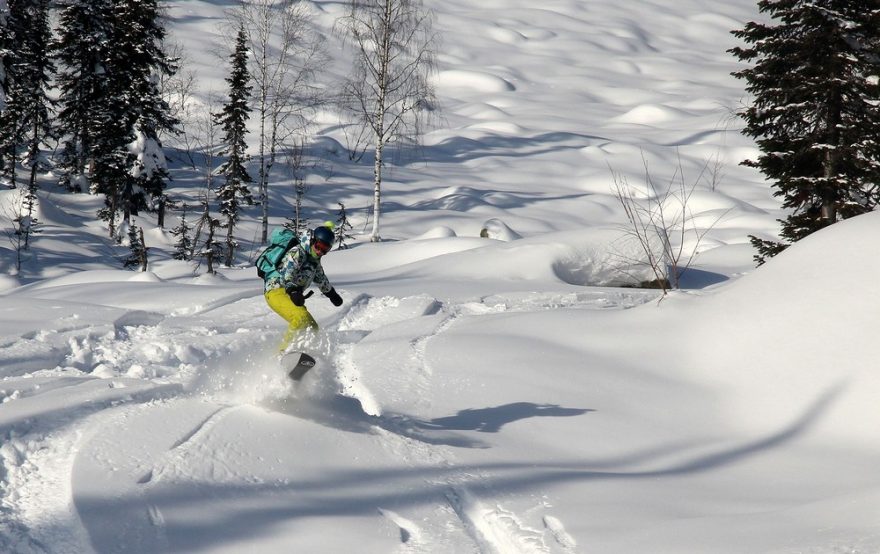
<point>497,394</point>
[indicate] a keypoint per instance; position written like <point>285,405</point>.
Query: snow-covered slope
<point>490,395</point>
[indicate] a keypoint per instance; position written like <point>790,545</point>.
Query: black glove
<point>296,295</point>
<point>334,297</point>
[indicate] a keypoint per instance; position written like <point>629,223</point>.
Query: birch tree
<point>389,90</point>
<point>207,141</point>
<point>285,57</point>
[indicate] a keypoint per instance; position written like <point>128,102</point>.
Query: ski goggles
<point>321,247</point>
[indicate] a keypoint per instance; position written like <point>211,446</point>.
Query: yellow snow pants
<point>297,317</point>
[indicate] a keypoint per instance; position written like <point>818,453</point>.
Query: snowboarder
<point>297,271</point>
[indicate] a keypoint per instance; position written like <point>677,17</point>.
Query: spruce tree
<point>30,222</point>
<point>343,228</point>
<point>232,119</point>
<point>128,162</point>
<point>139,48</point>
<point>210,248</point>
<point>7,40</point>
<point>814,114</point>
<point>38,105</point>
<point>5,48</point>
<point>184,245</point>
<point>25,121</point>
<point>138,255</point>
<point>81,50</point>
<point>111,175</point>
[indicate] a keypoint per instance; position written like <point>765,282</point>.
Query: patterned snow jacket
<point>299,268</point>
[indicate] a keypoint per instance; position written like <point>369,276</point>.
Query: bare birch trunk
<point>377,191</point>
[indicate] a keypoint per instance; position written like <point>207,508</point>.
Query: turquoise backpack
<point>281,240</point>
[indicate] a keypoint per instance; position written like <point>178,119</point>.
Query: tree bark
<point>377,190</point>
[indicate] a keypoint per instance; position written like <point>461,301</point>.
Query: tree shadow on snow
<point>251,508</point>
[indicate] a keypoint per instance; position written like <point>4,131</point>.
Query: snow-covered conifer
<point>5,42</point>
<point>814,111</point>
<point>184,245</point>
<point>343,227</point>
<point>129,165</point>
<point>142,37</point>
<point>233,120</point>
<point>81,52</point>
<point>25,121</point>
<point>138,256</point>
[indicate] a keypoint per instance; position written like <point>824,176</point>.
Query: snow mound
<point>498,230</point>
<point>145,277</point>
<point>210,279</point>
<point>8,282</point>
<point>500,127</point>
<point>475,80</point>
<point>375,257</point>
<point>794,331</point>
<point>47,212</point>
<point>603,256</point>
<point>650,114</point>
<point>85,277</point>
<point>456,198</point>
<point>438,232</point>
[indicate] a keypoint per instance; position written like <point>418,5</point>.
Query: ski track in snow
<point>37,511</point>
<point>37,458</point>
<point>490,529</point>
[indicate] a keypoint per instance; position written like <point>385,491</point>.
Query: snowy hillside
<point>489,395</point>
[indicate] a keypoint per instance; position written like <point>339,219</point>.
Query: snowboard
<point>297,364</point>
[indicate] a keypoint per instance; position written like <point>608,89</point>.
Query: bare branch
<point>389,88</point>
<point>286,56</point>
<point>662,221</point>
